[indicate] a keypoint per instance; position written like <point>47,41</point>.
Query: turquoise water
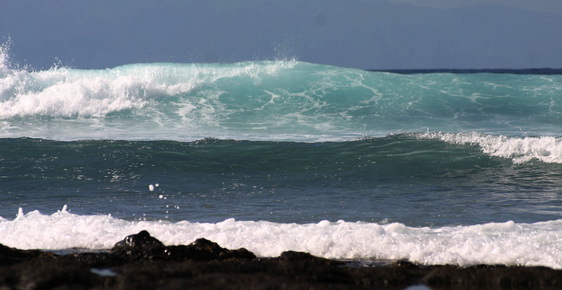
<point>304,156</point>
<point>275,100</point>
<point>284,141</point>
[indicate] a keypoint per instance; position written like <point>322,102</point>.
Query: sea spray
<point>519,149</point>
<point>506,243</point>
<point>265,100</point>
<point>434,167</point>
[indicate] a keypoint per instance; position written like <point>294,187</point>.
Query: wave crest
<point>524,149</point>
<point>268,99</point>
<point>65,92</point>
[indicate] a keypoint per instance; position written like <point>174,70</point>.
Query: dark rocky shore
<point>143,262</point>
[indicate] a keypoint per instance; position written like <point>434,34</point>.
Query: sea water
<point>434,167</point>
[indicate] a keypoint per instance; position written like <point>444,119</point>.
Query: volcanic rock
<point>141,261</point>
<point>143,246</point>
<point>139,246</point>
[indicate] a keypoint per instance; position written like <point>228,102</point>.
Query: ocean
<point>437,167</point>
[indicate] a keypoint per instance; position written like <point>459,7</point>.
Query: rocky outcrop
<point>141,261</point>
<point>143,246</point>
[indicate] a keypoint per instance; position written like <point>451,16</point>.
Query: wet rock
<point>143,246</point>
<point>404,264</point>
<point>96,260</point>
<point>396,275</point>
<point>139,246</point>
<point>217,252</point>
<point>10,256</point>
<point>141,261</point>
<point>494,276</point>
<point>307,268</point>
<point>49,272</point>
<point>297,256</point>
<point>205,250</point>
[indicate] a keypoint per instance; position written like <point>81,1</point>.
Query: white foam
<point>507,243</point>
<point>546,149</point>
<point>132,102</point>
<point>5,57</point>
<point>65,92</point>
<point>62,92</point>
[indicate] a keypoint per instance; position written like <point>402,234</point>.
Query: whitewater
<point>494,243</point>
<point>434,167</point>
<point>269,100</point>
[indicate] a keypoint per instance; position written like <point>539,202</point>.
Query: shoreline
<point>141,261</point>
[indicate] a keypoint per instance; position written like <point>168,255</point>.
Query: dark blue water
<point>403,178</point>
<point>437,167</point>
<point>283,141</point>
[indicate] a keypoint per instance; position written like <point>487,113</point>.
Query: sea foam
<point>510,243</point>
<point>65,92</point>
<point>519,149</point>
<point>266,100</point>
